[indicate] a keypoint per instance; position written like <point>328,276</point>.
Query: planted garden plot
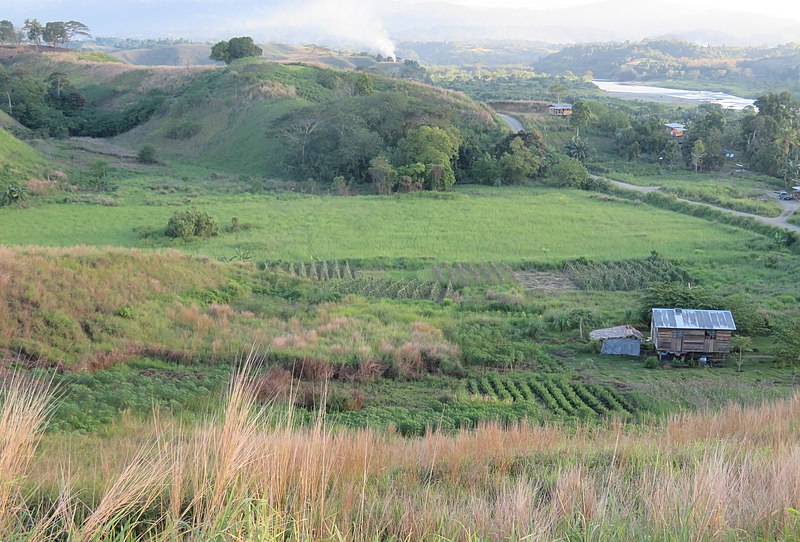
<point>532,279</point>
<point>369,286</point>
<point>322,271</point>
<point>460,275</point>
<point>625,274</point>
<point>558,395</point>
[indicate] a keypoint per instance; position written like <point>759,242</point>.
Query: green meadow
<point>472,224</point>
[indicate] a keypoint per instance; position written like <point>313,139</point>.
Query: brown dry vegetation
<point>243,475</point>
<point>92,308</point>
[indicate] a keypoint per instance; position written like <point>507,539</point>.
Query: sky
<point>375,24</point>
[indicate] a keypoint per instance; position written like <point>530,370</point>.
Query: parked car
<point>784,196</point>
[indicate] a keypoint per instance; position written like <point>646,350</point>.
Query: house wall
<point>621,347</point>
<point>692,340</point>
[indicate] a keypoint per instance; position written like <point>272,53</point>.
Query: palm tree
<point>577,148</point>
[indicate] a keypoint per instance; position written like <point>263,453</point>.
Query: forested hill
<point>671,59</point>
<point>255,117</point>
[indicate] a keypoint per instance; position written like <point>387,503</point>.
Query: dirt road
<point>789,207</point>
<point>515,125</point>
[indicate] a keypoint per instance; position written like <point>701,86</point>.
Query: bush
<point>651,363</point>
<point>192,223</point>
<point>147,155</point>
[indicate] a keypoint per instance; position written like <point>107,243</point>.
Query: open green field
<point>473,224</point>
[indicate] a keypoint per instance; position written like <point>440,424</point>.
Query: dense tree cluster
<point>234,49</point>
<point>771,137</point>
<point>54,107</point>
<point>53,33</point>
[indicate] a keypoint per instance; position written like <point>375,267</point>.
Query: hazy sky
<point>373,22</point>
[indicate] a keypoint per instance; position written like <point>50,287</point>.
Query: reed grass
<point>243,475</point>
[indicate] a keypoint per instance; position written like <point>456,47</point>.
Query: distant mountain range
<point>371,24</point>
<point>602,21</point>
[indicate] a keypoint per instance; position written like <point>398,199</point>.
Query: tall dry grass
<point>245,474</point>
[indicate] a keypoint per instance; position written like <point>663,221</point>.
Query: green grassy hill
<point>18,161</point>
<point>236,118</point>
<point>172,55</point>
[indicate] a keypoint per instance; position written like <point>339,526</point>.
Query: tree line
<point>53,107</point>
<point>53,33</point>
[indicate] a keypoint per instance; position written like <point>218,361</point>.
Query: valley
<point>280,300</point>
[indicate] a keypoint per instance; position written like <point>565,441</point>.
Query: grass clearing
<point>473,225</point>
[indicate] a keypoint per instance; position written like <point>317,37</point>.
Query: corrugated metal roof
<point>561,106</point>
<point>676,125</point>
<point>619,332</point>
<point>693,319</point>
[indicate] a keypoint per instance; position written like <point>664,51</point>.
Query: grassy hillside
<point>19,162</point>
<point>171,55</point>
<point>236,118</point>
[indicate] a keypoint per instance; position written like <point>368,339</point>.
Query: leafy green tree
<point>558,88</point>
<point>8,34</point>
<point>234,49</point>
<point>54,33</point>
<point>33,30</point>
<point>570,173</point>
<point>73,29</point>
<point>220,52</point>
<point>634,151</point>
<point>673,154</point>
<point>790,172</point>
<point>581,113</point>
<point>698,153</point>
<point>364,84</point>
<point>435,148</point>
<point>519,164</point>
<point>788,341</point>
<point>383,175</point>
<point>62,95</point>
<point>192,223</point>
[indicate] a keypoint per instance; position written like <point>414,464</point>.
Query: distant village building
<point>676,129</point>
<point>560,110</point>
<point>692,334</point>
<point>620,340</point>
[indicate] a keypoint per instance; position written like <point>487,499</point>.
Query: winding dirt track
<point>782,221</point>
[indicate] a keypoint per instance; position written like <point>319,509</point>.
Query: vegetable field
<point>558,395</point>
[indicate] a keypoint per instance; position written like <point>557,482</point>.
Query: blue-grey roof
<point>693,319</point>
<point>677,125</point>
<point>561,106</point>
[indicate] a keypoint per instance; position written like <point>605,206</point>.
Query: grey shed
<point>621,340</point>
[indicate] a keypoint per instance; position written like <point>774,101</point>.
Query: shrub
<point>125,311</point>
<point>192,223</point>
<point>147,155</point>
<point>651,363</point>
<point>13,193</point>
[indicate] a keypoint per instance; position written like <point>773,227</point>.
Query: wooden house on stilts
<point>692,334</point>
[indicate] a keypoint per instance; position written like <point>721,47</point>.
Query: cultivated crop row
<point>391,288</point>
<point>625,274</point>
<point>560,396</point>
<point>472,274</point>
<point>314,270</point>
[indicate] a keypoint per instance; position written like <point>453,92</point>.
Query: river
<point>672,95</point>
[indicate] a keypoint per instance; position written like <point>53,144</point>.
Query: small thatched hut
<point>621,340</point>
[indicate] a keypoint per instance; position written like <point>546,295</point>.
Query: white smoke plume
<point>338,23</point>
